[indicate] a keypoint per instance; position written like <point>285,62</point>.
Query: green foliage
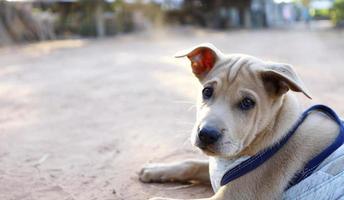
<point>87,27</point>
<point>79,18</point>
<point>337,14</point>
<point>87,20</point>
<point>68,22</point>
<point>321,13</point>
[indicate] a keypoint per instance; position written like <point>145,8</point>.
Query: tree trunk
<point>5,38</point>
<point>99,15</point>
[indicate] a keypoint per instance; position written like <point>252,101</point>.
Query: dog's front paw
<point>154,173</point>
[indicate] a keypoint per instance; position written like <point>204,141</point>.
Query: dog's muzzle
<point>208,135</point>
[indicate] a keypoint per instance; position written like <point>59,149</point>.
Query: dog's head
<point>240,98</point>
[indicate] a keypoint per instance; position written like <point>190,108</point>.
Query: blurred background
<point>90,91</point>
<point>37,20</point>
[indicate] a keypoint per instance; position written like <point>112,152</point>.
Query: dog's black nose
<point>208,135</point>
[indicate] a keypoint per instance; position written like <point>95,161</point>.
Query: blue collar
<point>258,159</point>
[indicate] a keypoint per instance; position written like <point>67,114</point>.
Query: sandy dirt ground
<point>78,118</point>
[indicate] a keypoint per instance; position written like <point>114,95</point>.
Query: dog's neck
<point>286,116</point>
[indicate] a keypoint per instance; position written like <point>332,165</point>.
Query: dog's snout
<point>208,135</point>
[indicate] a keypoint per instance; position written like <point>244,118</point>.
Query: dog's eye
<point>207,92</point>
<point>246,104</point>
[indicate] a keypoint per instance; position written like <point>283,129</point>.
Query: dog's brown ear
<point>278,78</point>
<point>203,58</point>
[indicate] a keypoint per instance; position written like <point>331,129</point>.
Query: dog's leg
<point>188,170</point>
<point>162,198</point>
<point>217,196</point>
<point>220,195</point>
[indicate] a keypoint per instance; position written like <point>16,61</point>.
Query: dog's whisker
<point>187,141</point>
<point>182,102</point>
<point>187,123</point>
<point>191,107</point>
<point>185,130</point>
<point>181,131</point>
<point>231,142</point>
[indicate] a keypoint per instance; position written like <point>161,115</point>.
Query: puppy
<point>245,108</point>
